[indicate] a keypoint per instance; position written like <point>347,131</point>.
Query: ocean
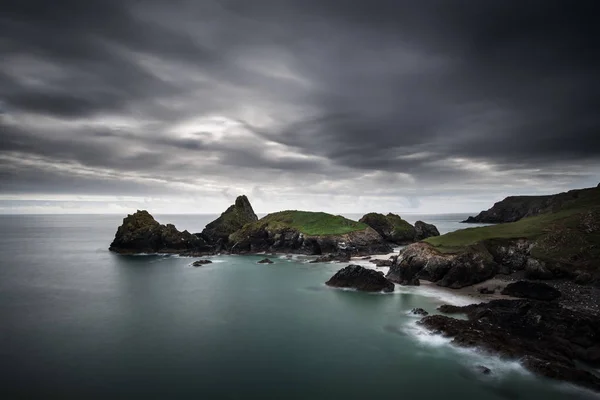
<point>77,321</point>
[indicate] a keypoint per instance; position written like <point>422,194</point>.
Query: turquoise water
<point>80,322</point>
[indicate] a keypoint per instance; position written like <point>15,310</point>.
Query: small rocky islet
<point>546,248</point>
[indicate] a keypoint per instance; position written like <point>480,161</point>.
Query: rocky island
<point>398,231</point>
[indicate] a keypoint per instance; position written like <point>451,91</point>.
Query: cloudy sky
<point>344,106</point>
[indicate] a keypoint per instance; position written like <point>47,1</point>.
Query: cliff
<point>514,208</point>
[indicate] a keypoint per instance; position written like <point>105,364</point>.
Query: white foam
<point>442,295</point>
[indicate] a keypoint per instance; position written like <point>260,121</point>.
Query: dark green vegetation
<point>569,234</point>
<point>306,222</point>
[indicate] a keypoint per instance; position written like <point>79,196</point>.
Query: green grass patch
<point>309,223</point>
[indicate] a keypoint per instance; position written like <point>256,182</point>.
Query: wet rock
<point>265,261</point>
<point>338,257</point>
<point>483,369</point>
<point>485,290</point>
<point>419,311</point>
<point>199,263</point>
<point>531,290</point>
<point>360,278</point>
<point>382,263</point>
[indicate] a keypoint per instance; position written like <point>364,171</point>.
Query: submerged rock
<point>531,290</point>
<point>141,233</point>
<point>265,261</point>
<point>200,263</point>
<point>483,369</point>
<point>360,278</point>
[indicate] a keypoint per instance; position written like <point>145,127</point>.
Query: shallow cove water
<point>78,321</point>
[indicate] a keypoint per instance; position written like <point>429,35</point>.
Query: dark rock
<point>424,230</point>
<point>531,290</point>
<point>583,278</point>
<point>510,255</point>
<point>547,338</point>
<point>233,219</point>
<point>366,258</point>
<point>338,257</point>
<point>360,278</point>
<point>483,369</point>
<point>265,261</point>
<point>535,269</point>
<point>391,227</point>
<point>485,290</point>
<point>141,233</point>
<point>382,263</point>
<point>419,311</point>
<point>201,262</point>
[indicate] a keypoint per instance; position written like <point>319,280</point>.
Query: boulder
<point>382,263</point>
<point>419,311</point>
<point>199,263</point>
<point>360,278</point>
<point>531,290</point>
<point>424,230</point>
<point>141,233</point>
<point>265,261</point>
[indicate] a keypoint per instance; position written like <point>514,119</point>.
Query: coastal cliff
<point>233,219</point>
<point>514,208</point>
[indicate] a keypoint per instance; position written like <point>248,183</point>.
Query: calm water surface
<point>79,322</point>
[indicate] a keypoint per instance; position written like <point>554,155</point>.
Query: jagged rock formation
<point>141,233</point>
<point>547,338</point>
<point>360,278</point>
<point>310,233</point>
<point>514,208</point>
<point>233,219</point>
<point>396,230</point>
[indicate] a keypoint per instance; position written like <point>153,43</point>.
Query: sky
<point>432,106</point>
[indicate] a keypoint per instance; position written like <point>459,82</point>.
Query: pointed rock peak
<point>235,217</point>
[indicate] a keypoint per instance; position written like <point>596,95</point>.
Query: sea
<point>77,321</point>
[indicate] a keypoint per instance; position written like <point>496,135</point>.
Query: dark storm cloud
<point>441,92</point>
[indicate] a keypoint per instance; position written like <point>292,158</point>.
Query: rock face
<point>391,227</point>
<point>531,290</point>
<point>422,261</point>
<point>278,233</point>
<point>546,337</point>
<point>233,219</point>
<point>424,230</point>
<point>141,233</point>
<point>360,278</point>
<point>514,208</point>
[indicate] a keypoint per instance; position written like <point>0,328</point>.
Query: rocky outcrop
<point>141,233</point>
<point>360,278</point>
<point>547,338</point>
<point>422,261</point>
<point>391,227</point>
<point>233,219</point>
<point>514,208</point>
<point>531,290</point>
<point>260,237</point>
<point>424,230</point>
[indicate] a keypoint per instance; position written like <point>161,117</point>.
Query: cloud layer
<point>378,104</point>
